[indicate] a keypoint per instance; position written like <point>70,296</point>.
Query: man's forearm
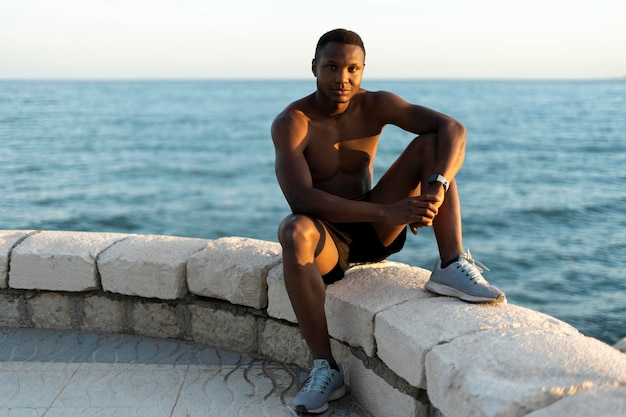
<point>329,207</point>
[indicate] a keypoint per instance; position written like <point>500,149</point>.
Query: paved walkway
<point>61,373</point>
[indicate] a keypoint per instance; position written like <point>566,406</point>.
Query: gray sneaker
<point>324,384</point>
<point>463,279</point>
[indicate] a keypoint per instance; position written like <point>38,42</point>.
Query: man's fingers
<point>431,198</point>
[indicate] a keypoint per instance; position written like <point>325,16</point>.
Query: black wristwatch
<point>440,179</point>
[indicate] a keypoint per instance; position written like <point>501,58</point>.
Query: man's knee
<point>296,230</point>
<point>424,145</point>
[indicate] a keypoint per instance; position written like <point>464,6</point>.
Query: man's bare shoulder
<point>291,114</point>
<point>380,97</point>
<point>291,123</point>
<point>381,105</point>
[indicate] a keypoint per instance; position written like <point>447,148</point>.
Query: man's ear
<point>314,67</point>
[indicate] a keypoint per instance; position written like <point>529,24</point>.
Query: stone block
<point>513,372</point>
<point>51,311</point>
<point>605,402</point>
<point>234,269</point>
<point>353,303</point>
<point>8,239</point>
<point>102,314</point>
<point>278,304</point>
<point>380,398</point>
<point>9,311</point>
<point>283,342</point>
<point>155,320</point>
<point>223,329</point>
<point>406,333</point>
<point>150,266</point>
<point>59,261</point>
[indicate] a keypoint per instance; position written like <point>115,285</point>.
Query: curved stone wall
<point>405,351</point>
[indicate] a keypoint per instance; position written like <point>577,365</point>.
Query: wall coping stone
<point>403,349</point>
<point>233,269</point>
<point>148,266</point>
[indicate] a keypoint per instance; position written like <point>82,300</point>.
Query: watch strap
<point>440,179</point>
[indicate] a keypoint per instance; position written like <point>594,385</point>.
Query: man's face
<point>339,69</point>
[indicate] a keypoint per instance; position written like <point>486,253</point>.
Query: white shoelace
<point>473,268</point>
<point>318,380</point>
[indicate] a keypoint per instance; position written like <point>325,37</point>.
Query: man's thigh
<point>326,256</point>
<point>403,179</point>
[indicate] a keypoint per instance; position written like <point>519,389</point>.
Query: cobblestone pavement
<point>63,373</point>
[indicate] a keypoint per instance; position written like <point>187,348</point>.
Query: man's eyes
<point>350,69</point>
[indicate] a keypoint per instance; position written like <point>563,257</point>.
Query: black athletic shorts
<point>358,243</point>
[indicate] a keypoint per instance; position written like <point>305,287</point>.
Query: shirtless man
<point>325,147</point>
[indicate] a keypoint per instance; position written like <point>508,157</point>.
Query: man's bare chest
<point>331,152</point>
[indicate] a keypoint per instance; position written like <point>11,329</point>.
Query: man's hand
<point>417,212</point>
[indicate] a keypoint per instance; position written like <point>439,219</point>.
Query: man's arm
<point>451,134</point>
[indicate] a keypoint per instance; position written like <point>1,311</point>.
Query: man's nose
<point>341,76</point>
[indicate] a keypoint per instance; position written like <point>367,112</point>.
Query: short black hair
<point>340,36</point>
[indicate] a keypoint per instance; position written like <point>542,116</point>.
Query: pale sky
<point>253,39</point>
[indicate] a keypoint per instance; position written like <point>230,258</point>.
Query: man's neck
<point>328,107</point>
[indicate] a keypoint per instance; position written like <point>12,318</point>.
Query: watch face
<point>439,178</point>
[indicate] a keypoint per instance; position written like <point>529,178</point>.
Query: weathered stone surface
<point>278,305</point>
<point>8,239</point>
<point>285,342</point>
<point>9,311</point>
<point>621,345</point>
<point>601,402</point>
<point>150,266</point>
<point>223,329</point>
<point>155,320</point>
<point>234,269</point>
<point>378,397</point>
<point>353,302</point>
<point>512,372</point>
<point>102,314</point>
<point>51,311</point>
<point>59,261</point>
<point>407,332</point>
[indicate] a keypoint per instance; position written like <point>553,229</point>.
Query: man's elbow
<point>459,130</point>
<point>458,134</point>
<point>296,208</point>
<point>299,205</point>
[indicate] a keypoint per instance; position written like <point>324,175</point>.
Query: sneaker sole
<point>335,395</point>
<point>442,289</point>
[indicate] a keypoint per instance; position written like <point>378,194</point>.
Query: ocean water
<point>542,189</point>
